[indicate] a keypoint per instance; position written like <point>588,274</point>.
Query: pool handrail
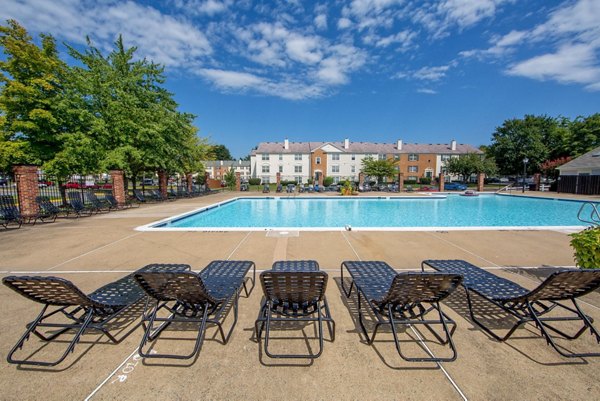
<point>594,218</point>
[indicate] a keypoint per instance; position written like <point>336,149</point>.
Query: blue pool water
<point>452,211</point>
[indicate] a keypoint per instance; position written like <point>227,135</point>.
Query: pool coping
<point>152,227</point>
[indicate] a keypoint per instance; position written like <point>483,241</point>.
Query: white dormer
<point>346,143</point>
<point>286,144</point>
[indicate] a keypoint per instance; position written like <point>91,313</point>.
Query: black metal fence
<point>7,185</point>
<point>579,184</point>
<point>58,190</point>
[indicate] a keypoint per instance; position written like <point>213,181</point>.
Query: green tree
<point>378,168</point>
<point>584,135</point>
<point>469,164</point>
<point>518,139</point>
<point>229,178</point>
<point>220,152</point>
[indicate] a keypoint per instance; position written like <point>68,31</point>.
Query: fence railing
<point>579,184</point>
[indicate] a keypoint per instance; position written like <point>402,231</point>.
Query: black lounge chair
<point>110,198</point>
<point>84,312</point>
<point>294,291</point>
<point>98,204</point>
<point>47,211</point>
<point>139,196</point>
<point>399,299</point>
<point>529,305</point>
<point>78,206</point>
<point>9,212</point>
<point>202,298</point>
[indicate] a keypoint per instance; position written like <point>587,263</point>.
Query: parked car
<point>455,186</point>
<point>147,181</point>
<point>44,183</point>
<point>3,182</point>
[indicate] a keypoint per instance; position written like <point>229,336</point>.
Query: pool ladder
<point>594,216</point>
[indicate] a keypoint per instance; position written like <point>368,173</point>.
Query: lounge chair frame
<point>294,291</point>
<point>83,312</point>
<point>529,305</point>
<point>9,212</point>
<point>202,298</point>
<point>398,299</point>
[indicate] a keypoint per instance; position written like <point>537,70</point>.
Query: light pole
<point>525,161</point>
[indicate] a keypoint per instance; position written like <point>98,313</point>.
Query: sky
<point>367,70</point>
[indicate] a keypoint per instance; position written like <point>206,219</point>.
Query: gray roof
<point>590,159</point>
<point>226,163</point>
<point>365,147</point>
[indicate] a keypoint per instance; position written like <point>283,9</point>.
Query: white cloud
<point>343,59</point>
<point>344,23</point>
<point>304,49</point>
<point>465,13</point>
<point>570,64</point>
<point>209,7</point>
<point>231,79</point>
<point>404,39</point>
<point>427,91</point>
<point>427,73</point>
<point>164,39</point>
<point>321,21</point>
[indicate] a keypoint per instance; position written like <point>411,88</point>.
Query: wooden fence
<point>579,184</point>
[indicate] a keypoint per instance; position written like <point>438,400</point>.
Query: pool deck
<point>96,250</point>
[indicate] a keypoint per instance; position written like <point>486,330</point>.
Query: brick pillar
<point>400,182</point>
<point>26,178</point>
<point>361,178</point>
<point>278,178</point>
<point>189,181</point>
<point>480,182</point>
<point>206,178</point>
<point>238,181</point>
<point>442,180</point>
<point>320,181</point>
<point>118,186</point>
<point>162,183</point>
<point>536,180</point>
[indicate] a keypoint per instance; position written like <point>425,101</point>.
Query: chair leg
<point>32,328</point>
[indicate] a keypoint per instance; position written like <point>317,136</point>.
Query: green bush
<point>327,181</point>
<point>587,248</point>
<point>425,180</point>
<point>410,182</point>
<point>254,181</point>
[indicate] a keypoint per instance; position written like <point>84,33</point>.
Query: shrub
<point>425,180</point>
<point>254,181</point>
<point>587,248</point>
<point>327,181</point>
<point>410,182</point>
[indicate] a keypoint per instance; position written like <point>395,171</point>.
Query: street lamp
<point>525,161</point>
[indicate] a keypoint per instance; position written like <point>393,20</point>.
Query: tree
<point>584,135</point>
<point>230,179</point>
<point>469,164</point>
<point>378,168</point>
<point>220,152</point>
<point>549,167</point>
<point>518,139</point>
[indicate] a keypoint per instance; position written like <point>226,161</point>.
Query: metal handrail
<point>505,188</point>
<point>594,218</point>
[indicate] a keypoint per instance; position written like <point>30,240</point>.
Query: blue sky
<point>368,70</point>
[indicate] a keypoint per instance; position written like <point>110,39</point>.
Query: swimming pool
<point>377,213</point>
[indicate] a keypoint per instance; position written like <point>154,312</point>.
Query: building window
<point>281,169</point>
<point>381,156</point>
<point>353,169</point>
<point>265,156</point>
<point>335,156</point>
<point>336,180</point>
<point>265,168</point>
<point>298,179</point>
<point>445,157</point>
<point>265,179</point>
<point>335,169</point>
<point>412,178</point>
<point>317,160</point>
<point>298,156</point>
<point>353,157</point>
<point>280,156</point>
<point>396,157</point>
<point>297,169</point>
<point>413,169</point>
<point>413,157</point>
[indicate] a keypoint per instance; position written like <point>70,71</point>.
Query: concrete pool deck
<point>96,250</point>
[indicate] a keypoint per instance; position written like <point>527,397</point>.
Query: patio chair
<point>529,305</point>
<point>139,196</point>
<point>96,204</point>
<point>110,198</point>
<point>402,299</point>
<point>294,291</point>
<point>9,212</point>
<point>78,206</point>
<point>199,298</point>
<point>84,312</point>
<point>48,211</point>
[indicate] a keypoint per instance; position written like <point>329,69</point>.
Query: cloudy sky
<point>368,70</point>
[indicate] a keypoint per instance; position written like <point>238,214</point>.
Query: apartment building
<point>218,168</point>
<point>299,161</point>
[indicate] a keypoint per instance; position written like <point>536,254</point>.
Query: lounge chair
<point>110,198</point>
<point>529,305</point>
<point>201,298</point>
<point>399,299</point>
<point>96,204</point>
<point>9,212</point>
<point>78,206</point>
<point>48,211</point>
<point>84,312</point>
<point>139,196</point>
<point>294,291</point>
